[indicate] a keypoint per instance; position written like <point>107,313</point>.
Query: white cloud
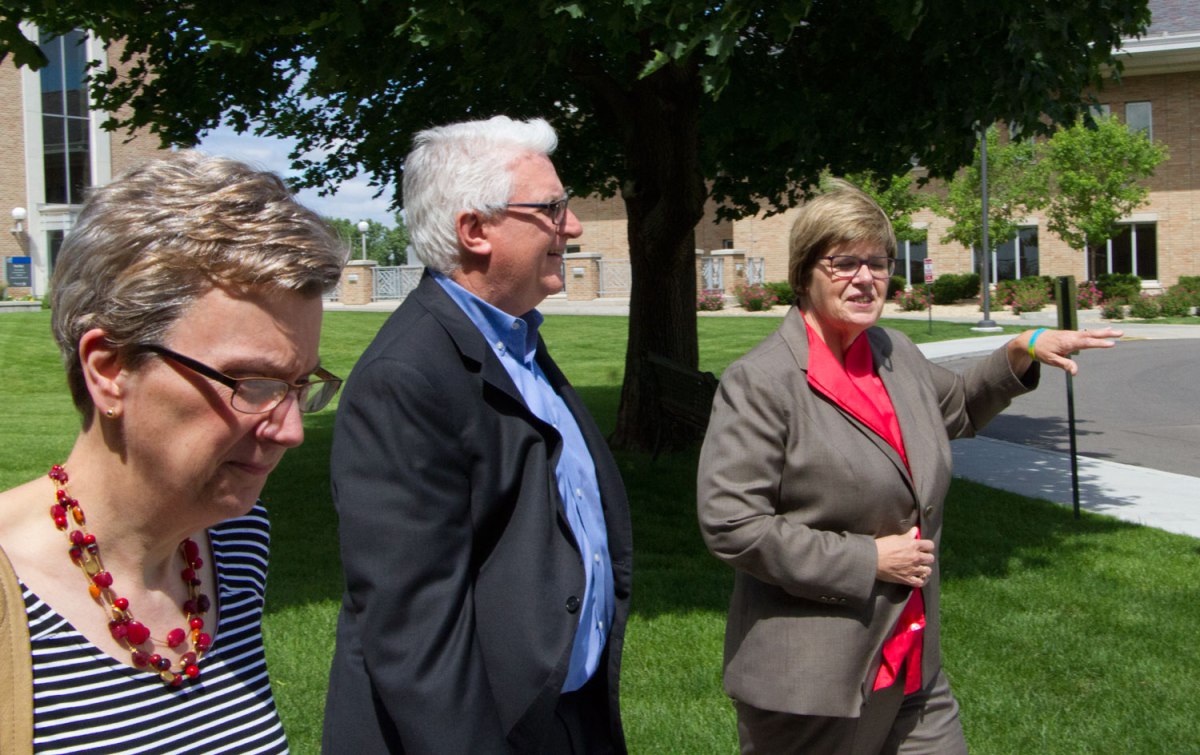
<point>354,199</point>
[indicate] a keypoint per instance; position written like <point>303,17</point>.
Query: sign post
<point>1064,295</point>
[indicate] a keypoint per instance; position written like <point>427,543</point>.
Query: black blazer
<point>463,580</point>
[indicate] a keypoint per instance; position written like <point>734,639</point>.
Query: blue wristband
<point>1032,340</point>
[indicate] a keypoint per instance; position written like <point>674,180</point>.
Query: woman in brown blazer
<point>822,481</point>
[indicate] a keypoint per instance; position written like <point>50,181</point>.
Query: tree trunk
<point>664,201</point>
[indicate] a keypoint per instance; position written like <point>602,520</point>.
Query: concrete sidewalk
<point>1140,495</point>
<point>1135,494</point>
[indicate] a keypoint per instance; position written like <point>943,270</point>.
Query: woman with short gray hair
<point>187,307</point>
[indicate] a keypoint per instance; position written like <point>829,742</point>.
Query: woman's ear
<point>103,371</point>
<point>472,229</point>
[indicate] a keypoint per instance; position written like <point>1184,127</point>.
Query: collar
<point>516,336</point>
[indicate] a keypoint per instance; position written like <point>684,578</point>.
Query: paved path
<point>1162,490</point>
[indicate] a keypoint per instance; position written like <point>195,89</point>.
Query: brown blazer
<point>792,493</point>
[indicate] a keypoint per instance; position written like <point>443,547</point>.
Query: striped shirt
<point>87,701</point>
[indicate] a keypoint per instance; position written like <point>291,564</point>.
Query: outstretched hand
<point>1053,347</point>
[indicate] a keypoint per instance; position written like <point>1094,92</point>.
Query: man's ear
<point>472,229</point>
<point>103,370</point>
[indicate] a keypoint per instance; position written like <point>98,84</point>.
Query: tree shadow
<point>1048,433</point>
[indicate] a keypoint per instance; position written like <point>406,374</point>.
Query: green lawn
<point>1060,636</point>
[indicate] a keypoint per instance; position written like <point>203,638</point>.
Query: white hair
<point>463,166</point>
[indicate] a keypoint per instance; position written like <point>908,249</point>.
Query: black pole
<point>987,323</point>
<point>1064,294</point>
<point>1074,456</point>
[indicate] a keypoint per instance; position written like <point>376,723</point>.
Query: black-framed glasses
<point>557,210</point>
<point>259,395</point>
<point>847,266</point>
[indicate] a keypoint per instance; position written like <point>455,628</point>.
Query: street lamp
<point>363,226</point>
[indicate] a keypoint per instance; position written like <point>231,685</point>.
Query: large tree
<point>1015,188</point>
<point>1096,172</point>
<point>659,101</point>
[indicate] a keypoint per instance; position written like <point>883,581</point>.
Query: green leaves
<point>1095,174</point>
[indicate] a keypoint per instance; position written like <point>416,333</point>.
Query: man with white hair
<point>484,528</point>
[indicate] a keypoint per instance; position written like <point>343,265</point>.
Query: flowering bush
<point>710,301</point>
<point>1145,307</point>
<point>1112,310</point>
<point>915,300</point>
<point>1087,296</point>
<point>755,298</point>
<point>1027,299</point>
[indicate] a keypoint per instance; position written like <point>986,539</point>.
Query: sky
<point>354,199</point>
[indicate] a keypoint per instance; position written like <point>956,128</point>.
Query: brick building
<point>1159,93</point>
<point>56,151</point>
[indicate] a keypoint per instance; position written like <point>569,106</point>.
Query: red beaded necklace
<point>85,553</point>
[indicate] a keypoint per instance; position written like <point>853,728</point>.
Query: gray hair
<point>463,166</point>
<point>841,214</point>
<point>150,243</point>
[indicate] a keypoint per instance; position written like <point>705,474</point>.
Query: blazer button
<point>572,604</point>
<point>929,511</point>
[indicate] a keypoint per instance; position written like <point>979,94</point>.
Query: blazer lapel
<point>795,333</point>
<point>905,394</point>
<point>467,338</point>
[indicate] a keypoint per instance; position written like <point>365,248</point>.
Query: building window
<point>1133,250</point>
<point>910,260</point>
<point>726,243</point>
<point>1014,259</point>
<point>66,148</point>
<point>1099,111</point>
<point>1138,118</point>
<point>54,241</point>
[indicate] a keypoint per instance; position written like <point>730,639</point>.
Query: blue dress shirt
<point>514,340</point>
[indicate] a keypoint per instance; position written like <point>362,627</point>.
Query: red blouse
<point>858,390</point>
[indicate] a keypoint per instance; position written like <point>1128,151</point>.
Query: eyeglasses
<point>557,210</point>
<point>847,266</point>
<point>259,395</point>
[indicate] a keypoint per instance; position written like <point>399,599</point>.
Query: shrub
<point>1028,299</point>
<point>755,298</point>
<point>783,292</point>
<point>1112,310</point>
<point>1087,295</point>
<point>1004,292</point>
<point>1123,287</point>
<point>710,301</point>
<point>947,289</point>
<point>896,283</point>
<point>1175,303</point>
<point>1191,281</point>
<point>1030,291</point>
<point>915,300</point>
<point>1188,287</point>
<point>969,285</point>
<point>1145,307</point>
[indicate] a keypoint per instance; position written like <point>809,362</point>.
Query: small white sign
<point>929,270</point>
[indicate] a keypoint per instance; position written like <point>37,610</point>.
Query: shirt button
<point>596,557</point>
<point>516,325</point>
<point>578,493</point>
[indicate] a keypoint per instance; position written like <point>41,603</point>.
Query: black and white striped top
<point>87,701</point>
